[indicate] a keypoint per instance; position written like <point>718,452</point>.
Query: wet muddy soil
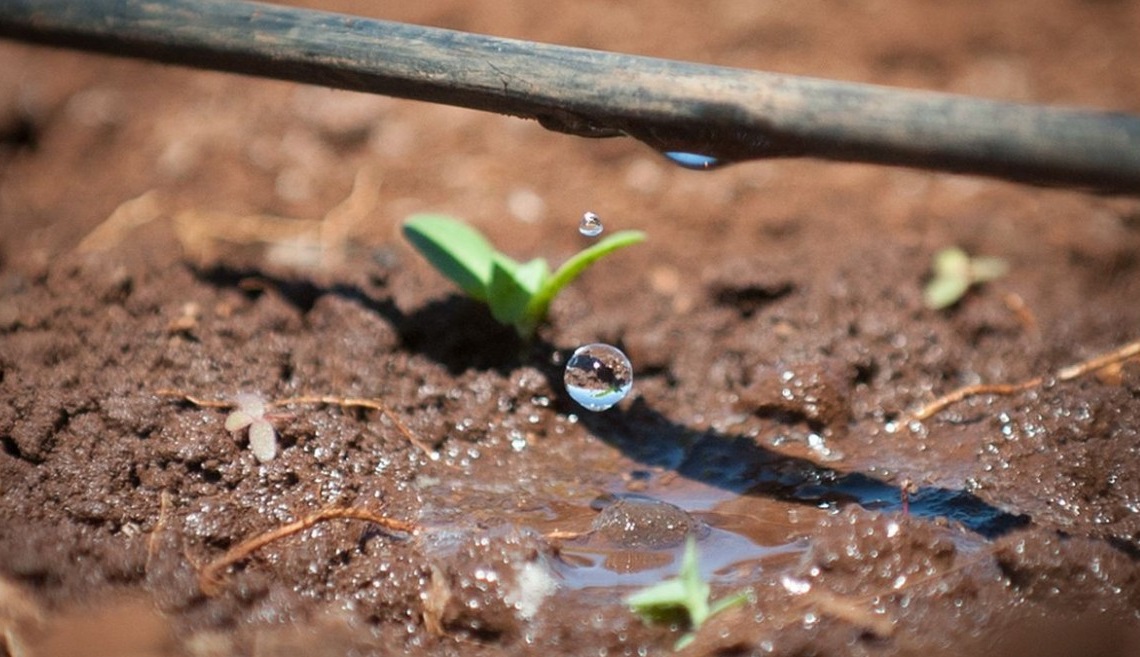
<point>173,239</point>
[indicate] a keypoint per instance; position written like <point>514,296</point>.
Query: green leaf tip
<point>573,268</point>
<point>457,250</point>
<point>518,295</point>
<point>507,295</point>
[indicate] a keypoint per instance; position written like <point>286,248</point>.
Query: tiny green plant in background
<point>684,598</point>
<point>518,294</point>
<point>955,272</point>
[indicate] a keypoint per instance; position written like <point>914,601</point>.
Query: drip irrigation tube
<point>725,113</point>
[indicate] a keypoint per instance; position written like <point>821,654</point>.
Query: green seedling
<point>955,273</point>
<point>518,294</point>
<point>684,598</point>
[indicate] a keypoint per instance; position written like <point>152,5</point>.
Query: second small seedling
<point>955,272</point>
<point>518,294</point>
<point>250,412</point>
<point>686,595</point>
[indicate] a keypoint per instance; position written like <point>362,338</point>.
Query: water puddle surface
<point>615,524</point>
<point>724,557</point>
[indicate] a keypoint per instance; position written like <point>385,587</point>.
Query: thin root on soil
<point>342,402</point>
<point>1115,357</point>
<point>209,577</point>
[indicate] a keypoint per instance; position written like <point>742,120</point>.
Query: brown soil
<point>164,229</point>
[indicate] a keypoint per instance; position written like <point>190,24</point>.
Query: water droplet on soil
<point>694,161</point>
<point>591,225</point>
<point>598,376</point>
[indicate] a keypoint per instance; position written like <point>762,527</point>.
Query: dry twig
<point>209,577</point>
<point>1128,351</point>
<point>129,215</point>
<point>351,402</point>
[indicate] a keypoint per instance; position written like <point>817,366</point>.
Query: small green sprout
<point>954,274</point>
<point>683,598</point>
<point>518,294</point>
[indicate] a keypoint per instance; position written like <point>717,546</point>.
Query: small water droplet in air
<point>591,225</point>
<point>694,161</point>
<point>598,376</point>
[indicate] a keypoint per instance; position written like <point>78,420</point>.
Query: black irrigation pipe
<point>731,114</point>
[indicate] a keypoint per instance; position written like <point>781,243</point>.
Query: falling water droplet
<point>598,376</point>
<point>694,161</point>
<point>591,225</point>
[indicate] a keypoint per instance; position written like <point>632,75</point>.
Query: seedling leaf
<point>517,294</point>
<point>987,268</point>
<point>663,602</point>
<point>262,440</point>
<point>506,295</point>
<point>533,274</point>
<point>944,292</point>
<point>239,419</point>
<point>728,602</point>
<point>573,268</point>
<point>457,250</point>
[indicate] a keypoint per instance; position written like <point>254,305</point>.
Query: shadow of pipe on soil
<point>460,334</point>
<point>738,464</point>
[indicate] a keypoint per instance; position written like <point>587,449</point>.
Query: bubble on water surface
<point>598,376</point>
<point>694,161</point>
<point>591,225</point>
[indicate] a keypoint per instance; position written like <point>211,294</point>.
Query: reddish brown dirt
<point>170,229</point>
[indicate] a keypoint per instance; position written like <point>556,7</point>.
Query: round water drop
<point>598,376</point>
<point>591,225</point>
<point>693,160</point>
